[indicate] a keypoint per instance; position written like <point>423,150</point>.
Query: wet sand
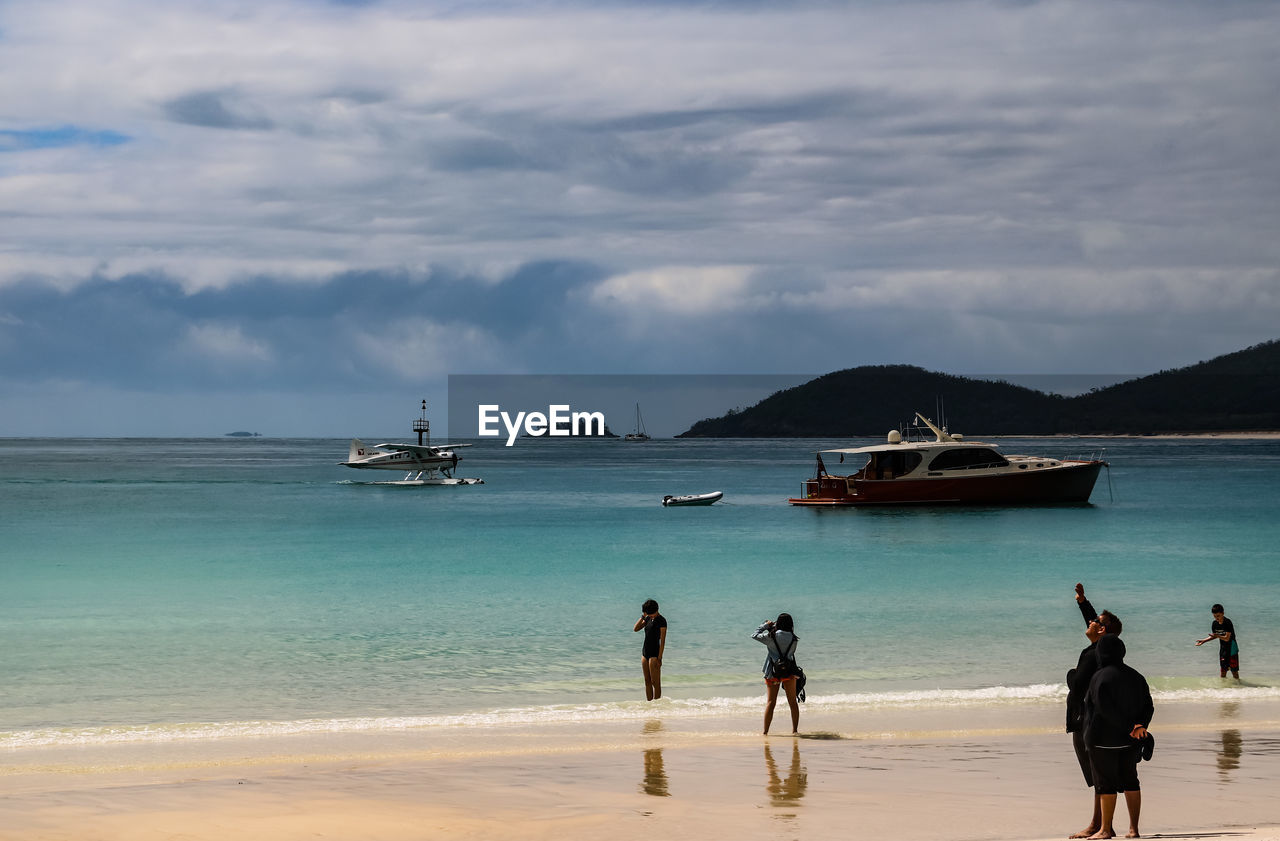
<point>990,773</point>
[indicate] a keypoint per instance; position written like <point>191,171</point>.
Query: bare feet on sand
<point>1085,833</point>
<point>1102,833</point>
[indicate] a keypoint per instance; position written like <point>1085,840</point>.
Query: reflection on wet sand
<point>1232,742</point>
<point>655,781</point>
<point>1230,753</point>
<point>655,776</point>
<point>786,792</point>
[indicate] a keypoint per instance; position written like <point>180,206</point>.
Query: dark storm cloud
<point>674,172</point>
<point>215,109</point>
<point>143,330</point>
<point>803,107</point>
<point>102,333</point>
<point>480,153</point>
<point>627,157</point>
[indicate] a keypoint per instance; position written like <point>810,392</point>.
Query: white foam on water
<point>621,711</point>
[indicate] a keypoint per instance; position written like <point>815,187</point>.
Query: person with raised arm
<point>1096,626</point>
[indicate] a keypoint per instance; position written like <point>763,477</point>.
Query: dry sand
<point>1003,773</point>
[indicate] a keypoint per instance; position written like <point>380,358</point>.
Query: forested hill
<point>1236,392</point>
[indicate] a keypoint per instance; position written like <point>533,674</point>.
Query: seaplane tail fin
<point>357,451</point>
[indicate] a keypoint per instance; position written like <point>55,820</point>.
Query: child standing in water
<point>1224,632</point>
<point>654,626</point>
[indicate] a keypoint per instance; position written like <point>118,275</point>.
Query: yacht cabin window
<point>891,465</point>
<point>967,458</point>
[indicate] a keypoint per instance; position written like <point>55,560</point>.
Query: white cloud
<point>686,290</point>
<point>419,349</point>
<point>1049,294</point>
<point>226,343</point>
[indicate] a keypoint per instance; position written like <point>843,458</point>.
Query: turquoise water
<point>221,585</point>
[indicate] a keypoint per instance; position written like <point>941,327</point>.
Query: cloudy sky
<point>299,216</point>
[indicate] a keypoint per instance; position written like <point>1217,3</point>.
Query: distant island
<point>244,435</point>
<point>1238,392</point>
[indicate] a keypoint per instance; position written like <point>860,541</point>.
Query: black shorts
<point>1082,755</point>
<point>1115,769</point>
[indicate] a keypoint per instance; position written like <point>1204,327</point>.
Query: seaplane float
<point>948,470</point>
<point>423,463</point>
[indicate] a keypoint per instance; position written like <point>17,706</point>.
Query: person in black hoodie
<point>1117,710</point>
<point>1097,624</point>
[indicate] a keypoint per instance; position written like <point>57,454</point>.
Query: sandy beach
<point>977,773</point>
<point>1241,435</point>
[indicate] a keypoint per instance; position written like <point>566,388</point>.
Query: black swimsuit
<point>653,626</point>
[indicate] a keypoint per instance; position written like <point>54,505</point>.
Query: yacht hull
<point>1071,482</point>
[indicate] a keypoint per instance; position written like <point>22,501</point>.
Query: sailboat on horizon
<point>638,434</point>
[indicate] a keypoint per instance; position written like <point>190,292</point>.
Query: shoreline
<point>976,773</point>
<point>892,704</point>
<point>1225,435</point>
<point>973,437</point>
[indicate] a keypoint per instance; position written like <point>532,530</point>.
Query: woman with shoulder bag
<point>780,668</point>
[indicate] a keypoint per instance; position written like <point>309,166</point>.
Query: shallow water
<point>167,583</point>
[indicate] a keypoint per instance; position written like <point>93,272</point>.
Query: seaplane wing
<point>399,456</point>
<point>422,451</point>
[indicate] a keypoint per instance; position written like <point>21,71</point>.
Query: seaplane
<point>423,463</point>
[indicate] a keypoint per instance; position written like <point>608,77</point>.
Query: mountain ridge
<point>1238,391</point>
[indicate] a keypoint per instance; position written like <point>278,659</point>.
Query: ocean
<point>165,589</point>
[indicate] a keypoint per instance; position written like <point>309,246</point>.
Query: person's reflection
<point>1229,756</point>
<point>786,792</point>
<point>655,775</point>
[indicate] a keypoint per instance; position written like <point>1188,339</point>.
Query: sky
<point>300,217</point>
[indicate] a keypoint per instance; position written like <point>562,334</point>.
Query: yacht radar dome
<point>895,437</point>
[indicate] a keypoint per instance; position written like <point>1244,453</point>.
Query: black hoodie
<point>1118,698</point>
<point>1079,677</point>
